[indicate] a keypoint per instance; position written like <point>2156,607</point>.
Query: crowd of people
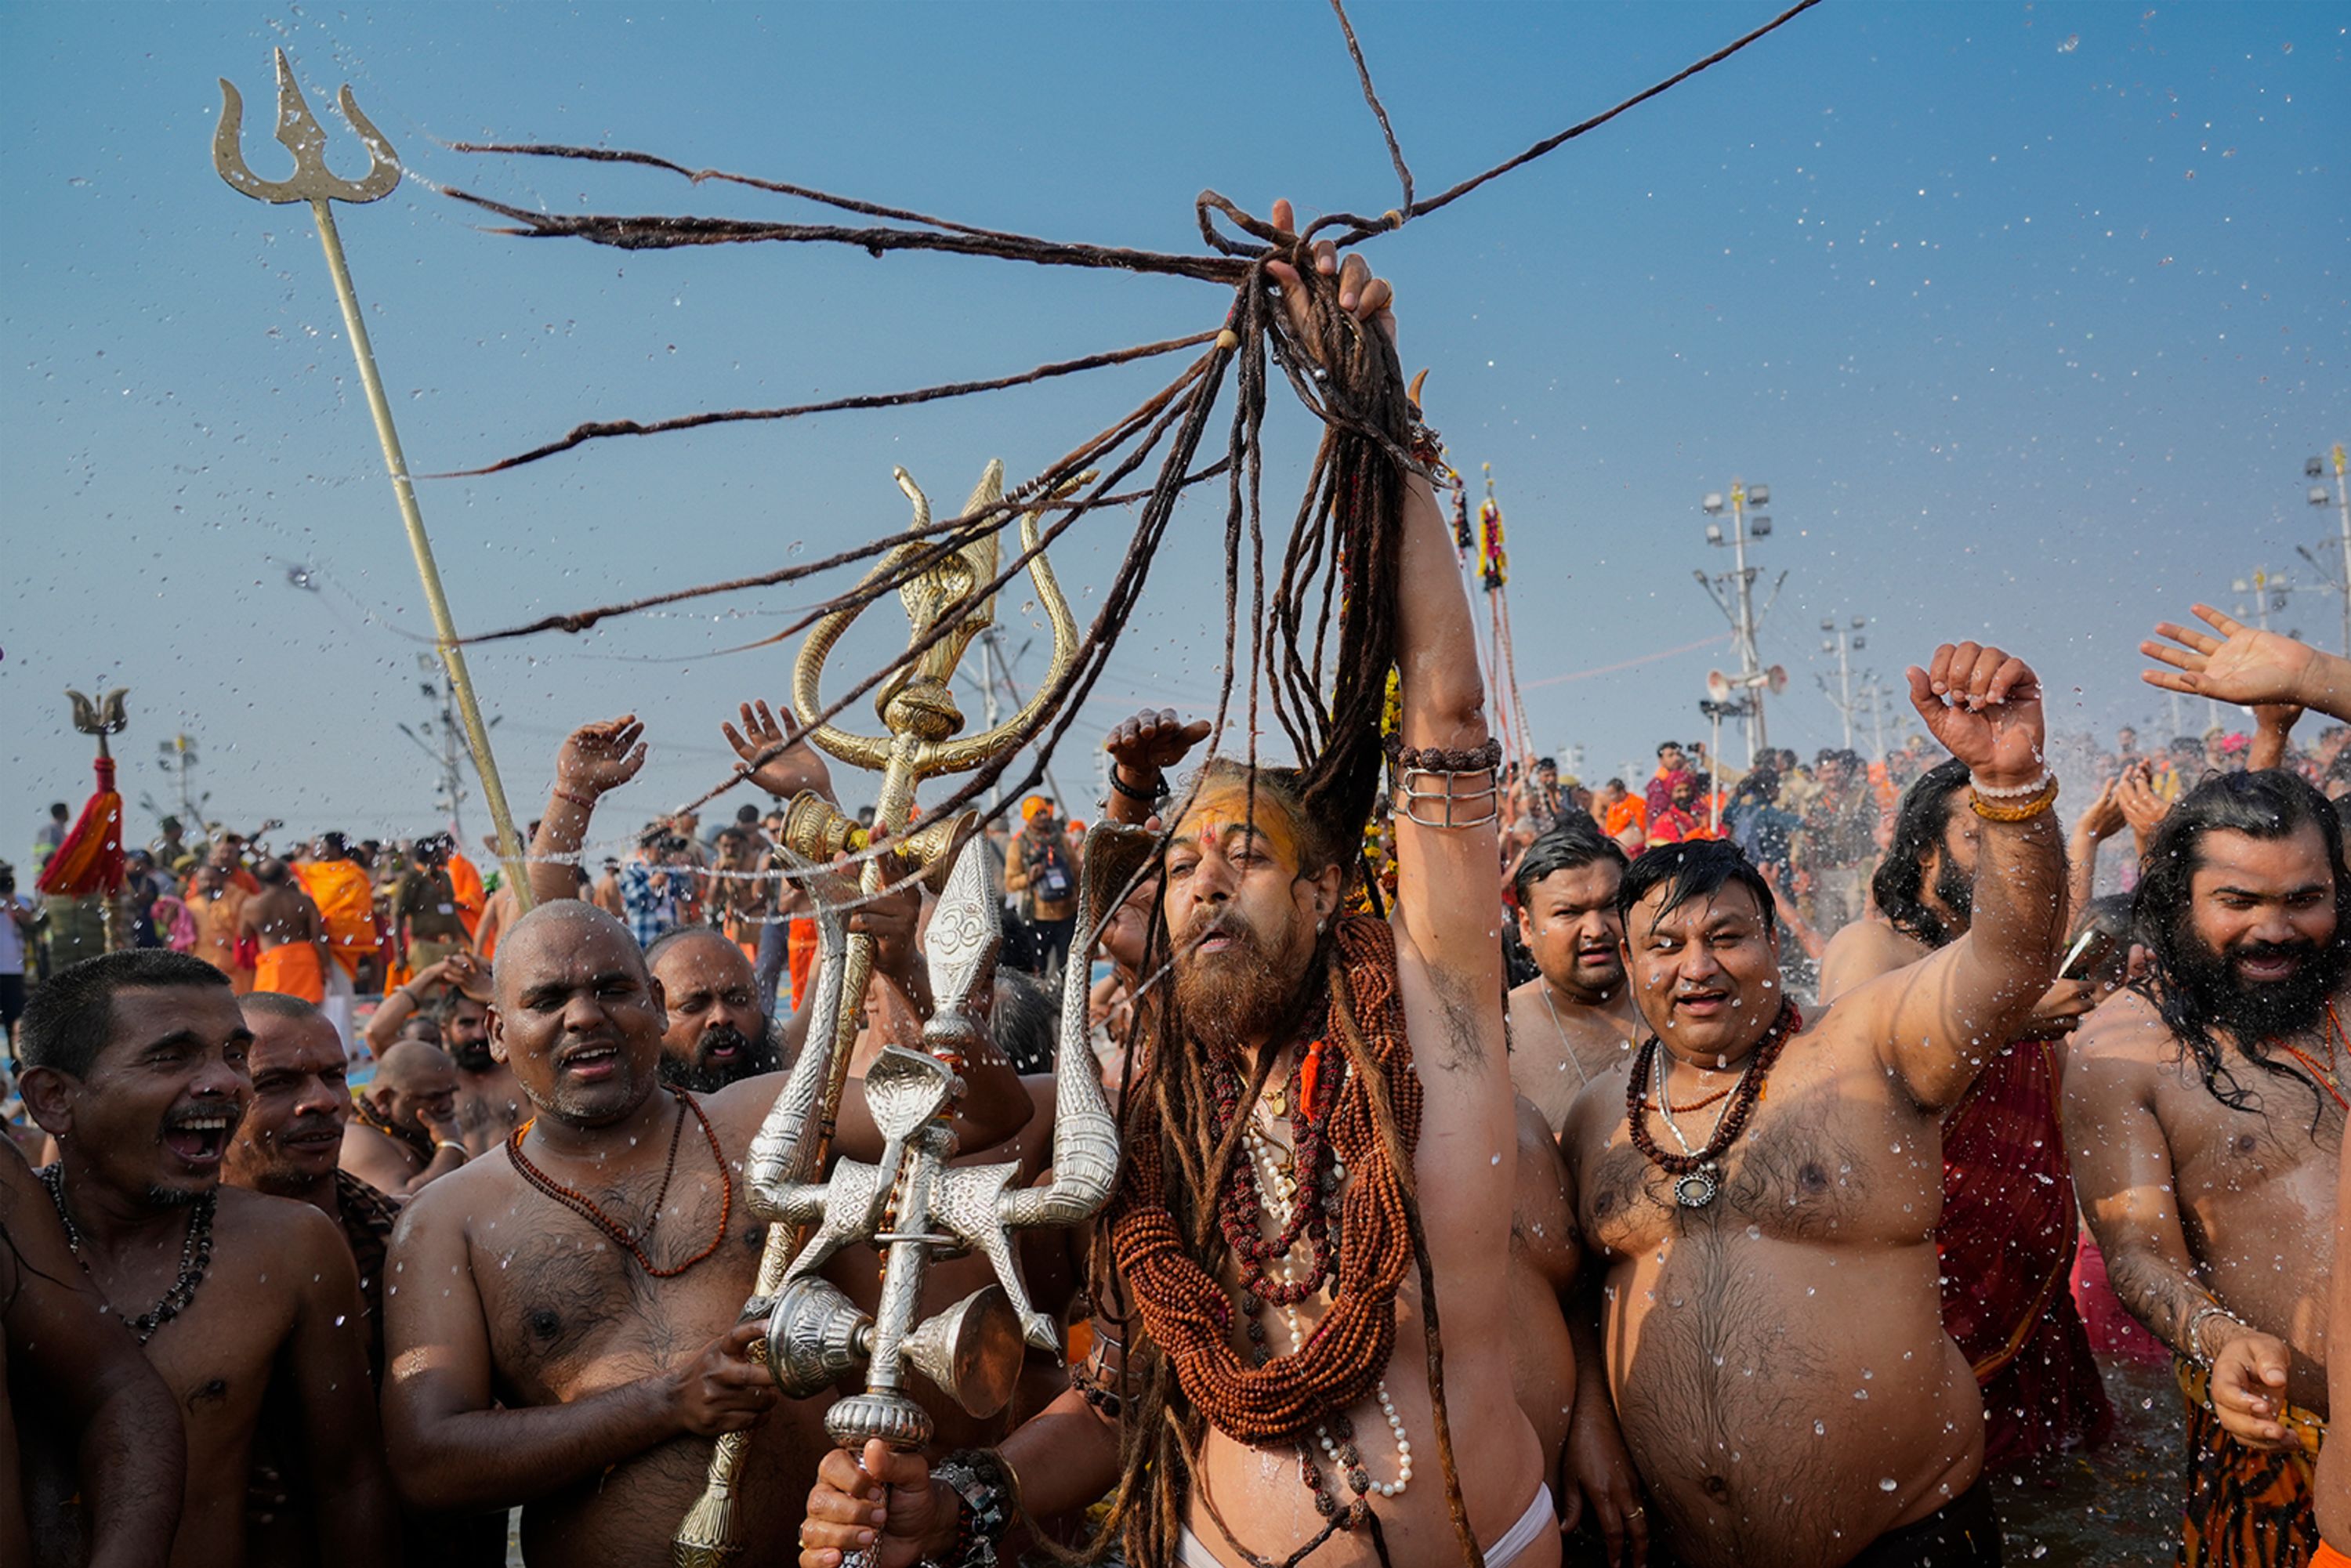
<point>1754,1168</point>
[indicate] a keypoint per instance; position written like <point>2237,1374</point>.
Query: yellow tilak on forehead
<point>1222,809</point>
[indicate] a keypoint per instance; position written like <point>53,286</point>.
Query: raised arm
<point>594,758</point>
<point>326,1365</point>
<point>2247,667</point>
<point>2101,821</point>
<point>1940,1020</point>
<point>133,1450</point>
<point>455,1451</point>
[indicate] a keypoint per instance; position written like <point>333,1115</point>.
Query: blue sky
<point>2027,313</point>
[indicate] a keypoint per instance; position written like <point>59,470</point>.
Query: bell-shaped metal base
<point>972,1351</point>
<point>816,1336</point>
<point>893,1418</point>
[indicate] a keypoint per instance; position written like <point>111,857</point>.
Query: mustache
<point>2300,948</point>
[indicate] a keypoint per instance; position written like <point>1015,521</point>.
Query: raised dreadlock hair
<point>2268,805</point>
<point>1345,551</point>
<point>1899,885</point>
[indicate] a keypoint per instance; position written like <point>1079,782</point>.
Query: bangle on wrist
<point>585,802</point>
<point>441,1143</point>
<point>2005,805</point>
<point>2009,792</point>
<point>2195,1335</point>
<point>1153,796</point>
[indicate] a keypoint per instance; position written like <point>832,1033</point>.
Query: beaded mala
<point>1697,1172</point>
<point>196,1254</point>
<point>588,1209</point>
<point>1185,1311</point>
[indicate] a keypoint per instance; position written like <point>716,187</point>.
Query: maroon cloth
<point>2006,1248</point>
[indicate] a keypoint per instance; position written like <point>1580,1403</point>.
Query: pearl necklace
<point>1279,1188</point>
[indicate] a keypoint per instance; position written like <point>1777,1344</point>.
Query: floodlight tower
<point>1843,640</point>
<point>1733,593</point>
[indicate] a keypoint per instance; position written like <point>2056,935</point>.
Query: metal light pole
<point>1734,593</point>
<point>1843,640</point>
<point>2269,594</point>
<point>2315,469</point>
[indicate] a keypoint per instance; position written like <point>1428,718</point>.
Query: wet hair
<point>2268,805</point>
<point>336,845</point>
<point>1899,886</point>
<point>1023,1022</point>
<point>70,1017</point>
<point>1695,868</point>
<point>444,1010</point>
<point>1666,746</point>
<point>1571,842</point>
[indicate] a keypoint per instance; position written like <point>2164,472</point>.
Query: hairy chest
<point>1818,1163</point>
<point>573,1310</point>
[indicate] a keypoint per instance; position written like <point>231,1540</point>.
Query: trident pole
<point>301,135</point>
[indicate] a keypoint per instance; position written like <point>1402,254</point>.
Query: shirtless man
<point>291,932</point>
<point>136,1063</point>
<point>1773,1325</point>
<point>404,1135</point>
<point>1251,906</point>
<point>2219,1080</point>
<point>536,1358</point>
<point>1574,1022</point>
<point>62,1350</point>
<point>489,1101</point>
<point>2009,1229</point>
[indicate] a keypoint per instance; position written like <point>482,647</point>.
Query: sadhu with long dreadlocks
<point>1319,1135</point>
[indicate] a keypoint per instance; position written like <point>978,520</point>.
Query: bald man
<point>537,1361</point>
<point>716,1033</point>
<point>403,1134</point>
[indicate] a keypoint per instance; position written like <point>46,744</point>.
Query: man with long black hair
<point>2007,1237</point>
<point>2205,1119</point>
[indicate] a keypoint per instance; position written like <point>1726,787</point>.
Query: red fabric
<point>2006,1248</point>
<point>90,859</point>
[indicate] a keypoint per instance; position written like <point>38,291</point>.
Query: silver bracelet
<point>2195,1335</point>
<point>2016,792</point>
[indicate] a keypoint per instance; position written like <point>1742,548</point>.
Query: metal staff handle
<point>917,707</point>
<point>302,135</point>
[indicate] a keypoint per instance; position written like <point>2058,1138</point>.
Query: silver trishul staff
<point>914,1206</point>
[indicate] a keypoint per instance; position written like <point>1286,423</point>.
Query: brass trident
<point>917,706</point>
<point>299,130</point>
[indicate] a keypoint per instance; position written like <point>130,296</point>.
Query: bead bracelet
<point>1998,810</point>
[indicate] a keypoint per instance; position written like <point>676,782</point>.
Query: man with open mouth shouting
<point>561,1312</point>
<point>136,1064</point>
<point>1763,1188</point>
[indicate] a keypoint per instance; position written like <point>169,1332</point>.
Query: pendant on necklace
<point>1277,1099</point>
<point>1697,1189</point>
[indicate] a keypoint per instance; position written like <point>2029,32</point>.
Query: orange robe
<point>466,881</point>
<point>346,902</point>
<point>292,969</point>
<point>215,921</point>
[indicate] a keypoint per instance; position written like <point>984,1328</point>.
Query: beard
<point>2255,1011</point>
<point>1956,891</point>
<point>1228,999</point>
<point>473,1056</point>
<point>703,1076</point>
